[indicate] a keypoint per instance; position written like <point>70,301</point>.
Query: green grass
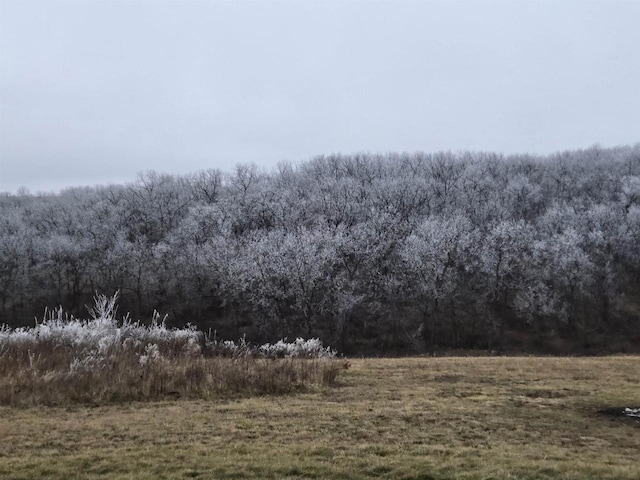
<point>414,418</point>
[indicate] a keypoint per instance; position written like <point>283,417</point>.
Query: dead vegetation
<point>63,361</point>
<point>124,380</point>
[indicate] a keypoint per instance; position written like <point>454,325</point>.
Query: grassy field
<point>413,418</point>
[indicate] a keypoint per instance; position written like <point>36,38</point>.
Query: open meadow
<point>410,418</point>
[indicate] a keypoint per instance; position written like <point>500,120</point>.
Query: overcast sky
<point>95,91</point>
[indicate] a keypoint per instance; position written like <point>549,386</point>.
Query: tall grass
<point>101,360</point>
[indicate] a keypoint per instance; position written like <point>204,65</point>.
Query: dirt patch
<point>630,415</point>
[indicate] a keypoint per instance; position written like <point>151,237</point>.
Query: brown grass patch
<point>45,378</point>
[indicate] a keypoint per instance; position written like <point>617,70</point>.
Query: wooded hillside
<point>371,253</point>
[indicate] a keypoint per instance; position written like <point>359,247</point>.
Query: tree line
<point>372,253</point>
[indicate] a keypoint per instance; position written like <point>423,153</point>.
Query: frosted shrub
<point>151,354</point>
<point>300,348</point>
<point>102,335</point>
<point>65,359</point>
<point>87,364</point>
<point>229,348</point>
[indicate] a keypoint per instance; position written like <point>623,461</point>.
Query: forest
<point>374,254</point>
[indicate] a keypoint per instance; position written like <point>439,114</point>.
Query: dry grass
<point>415,418</point>
<point>123,380</point>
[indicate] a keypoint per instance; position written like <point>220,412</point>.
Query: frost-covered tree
<point>504,257</point>
<point>285,278</point>
<point>434,258</point>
